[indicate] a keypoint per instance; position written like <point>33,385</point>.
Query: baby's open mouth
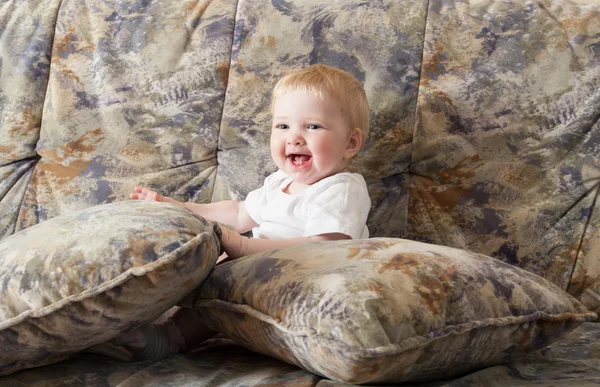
<point>298,159</point>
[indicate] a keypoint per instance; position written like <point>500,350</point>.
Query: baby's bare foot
<point>152,341</point>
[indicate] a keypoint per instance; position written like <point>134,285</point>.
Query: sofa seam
<point>438,234</point>
<point>419,84</point>
<point>37,155</point>
<point>414,129</point>
<point>22,201</point>
<point>394,349</point>
<point>218,150</point>
<point>583,234</point>
<point>127,275</point>
<point>19,172</point>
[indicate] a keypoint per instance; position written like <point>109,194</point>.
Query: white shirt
<point>335,204</point>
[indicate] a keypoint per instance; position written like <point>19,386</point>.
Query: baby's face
<point>310,136</point>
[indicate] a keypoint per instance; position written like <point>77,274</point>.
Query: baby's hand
<point>141,193</point>
<point>233,243</point>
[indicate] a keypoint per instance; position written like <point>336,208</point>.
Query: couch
<point>485,139</point>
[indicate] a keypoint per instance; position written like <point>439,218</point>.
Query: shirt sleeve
<point>257,199</point>
<point>342,207</point>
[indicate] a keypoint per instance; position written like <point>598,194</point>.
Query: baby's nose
<point>295,140</point>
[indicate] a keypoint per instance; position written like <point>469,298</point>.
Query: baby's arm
<point>338,211</point>
<point>236,245</point>
<point>229,212</point>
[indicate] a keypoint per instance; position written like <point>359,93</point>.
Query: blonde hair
<point>320,79</point>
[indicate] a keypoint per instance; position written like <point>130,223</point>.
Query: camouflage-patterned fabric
<point>384,310</point>
<point>134,96</point>
<point>83,278</point>
<point>26,32</point>
<point>380,43</point>
<point>484,127</point>
<point>572,361</point>
<point>485,131</point>
<point>484,114</point>
<point>505,158</point>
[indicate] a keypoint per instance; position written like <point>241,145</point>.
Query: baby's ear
<point>354,143</point>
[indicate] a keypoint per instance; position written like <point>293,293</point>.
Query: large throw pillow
<point>83,278</point>
<point>384,310</point>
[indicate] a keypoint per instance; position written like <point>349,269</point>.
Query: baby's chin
<point>307,180</point>
<point>305,177</point>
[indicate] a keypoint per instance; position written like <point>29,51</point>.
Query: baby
<point>320,121</point>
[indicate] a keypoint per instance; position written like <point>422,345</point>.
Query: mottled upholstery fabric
<point>83,278</point>
<point>484,132</point>
<point>379,42</point>
<point>572,361</point>
<point>484,126</point>
<point>134,96</point>
<point>385,310</point>
<point>25,49</point>
<point>505,157</point>
<point>220,363</point>
<point>586,275</point>
<point>484,120</point>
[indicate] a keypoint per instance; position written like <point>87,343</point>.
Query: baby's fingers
<point>142,193</point>
<point>151,195</point>
<point>137,196</point>
<point>137,193</point>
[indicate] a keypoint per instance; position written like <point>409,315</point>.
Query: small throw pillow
<point>384,310</point>
<point>81,279</point>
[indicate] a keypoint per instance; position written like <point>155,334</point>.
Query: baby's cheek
<point>330,149</point>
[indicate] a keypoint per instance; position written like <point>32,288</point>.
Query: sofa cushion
<point>378,42</point>
<point>505,152</point>
<point>81,279</point>
<point>585,282</point>
<point>26,30</point>
<point>135,96</point>
<point>384,310</point>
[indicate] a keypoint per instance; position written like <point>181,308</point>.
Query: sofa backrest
<point>484,126</point>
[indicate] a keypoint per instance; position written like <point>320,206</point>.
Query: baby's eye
<point>314,126</point>
<point>282,126</point>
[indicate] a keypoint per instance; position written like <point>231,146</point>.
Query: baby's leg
<point>191,327</point>
<point>176,331</point>
<point>181,332</point>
